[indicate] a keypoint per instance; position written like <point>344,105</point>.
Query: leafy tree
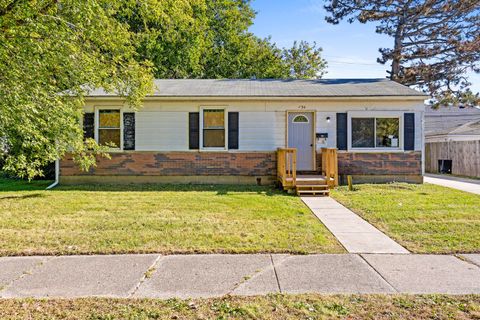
<point>435,42</point>
<point>304,61</point>
<point>169,33</point>
<point>210,39</point>
<point>53,51</point>
<point>233,51</point>
<point>46,48</point>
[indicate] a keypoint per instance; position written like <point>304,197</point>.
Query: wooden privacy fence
<point>465,156</point>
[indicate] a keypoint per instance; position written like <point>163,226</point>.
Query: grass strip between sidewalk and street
<point>260,307</point>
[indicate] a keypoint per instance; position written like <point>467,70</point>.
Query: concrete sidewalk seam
<point>144,277</point>
<point>26,273</point>
<point>276,275</point>
<point>466,259</point>
<point>249,277</point>
<point>378,272</point>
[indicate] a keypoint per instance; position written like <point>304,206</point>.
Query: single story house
<point>229,131</point>
<point>452,141</point>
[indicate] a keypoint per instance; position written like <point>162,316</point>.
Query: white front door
<point>300,136</point>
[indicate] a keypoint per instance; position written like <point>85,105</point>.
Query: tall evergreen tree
<point>434,42</point>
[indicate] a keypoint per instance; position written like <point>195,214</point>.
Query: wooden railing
<point>287,166</point>
<point>330,166</point>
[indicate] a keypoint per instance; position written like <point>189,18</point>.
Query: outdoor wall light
<point>328,119</point>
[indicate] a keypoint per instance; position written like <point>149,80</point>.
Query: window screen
<point>214,128</point>
<point>109,127</point>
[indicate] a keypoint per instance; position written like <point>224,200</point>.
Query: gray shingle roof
<point>447,119</point>
<point>276,88</point>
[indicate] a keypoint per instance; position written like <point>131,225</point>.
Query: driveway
<point>463,184</point>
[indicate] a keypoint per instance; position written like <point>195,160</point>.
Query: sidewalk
<point>355,234</point>
<point>189,276</point>
<point>463,184</point>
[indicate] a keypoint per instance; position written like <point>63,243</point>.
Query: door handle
<point>311,145</point>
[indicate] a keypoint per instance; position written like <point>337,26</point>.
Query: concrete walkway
<point>191,276</point>
<point>464,184</point>
<point>354,233</point>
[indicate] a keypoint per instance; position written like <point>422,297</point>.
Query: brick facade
<point>394,163</point>
<point>364,167</point>
<point>381,167</point>
<point>178,164</point>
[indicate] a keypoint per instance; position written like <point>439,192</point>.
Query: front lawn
<point>423,218</point>
<point>266,307</point>
<point>156,218</point>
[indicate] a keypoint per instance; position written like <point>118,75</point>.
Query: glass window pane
<point>363,133</point>
<point>388,132</point>
<point>214,138</point>
<point>109,136</point>
<point>213,119</point>
<point>109,119</point>
<point>300,119</point>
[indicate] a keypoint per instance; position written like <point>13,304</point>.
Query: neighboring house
<point>452,141</point>
<point>228,131</point>
<point>452,124</point>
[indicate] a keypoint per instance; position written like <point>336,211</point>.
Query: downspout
<point>423,143</point>
<point>57,175</point>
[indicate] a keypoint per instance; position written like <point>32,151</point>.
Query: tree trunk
<point>398,46</point>
<point>397,52</point>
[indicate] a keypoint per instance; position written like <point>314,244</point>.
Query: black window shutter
<point>409,131</point>
<point>128,131</point>
<point>233,130</point>
<point>342,131</point>
<point>194,130</point>
<point>89,125</point>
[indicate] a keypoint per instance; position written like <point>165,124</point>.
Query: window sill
<point>213,149</point>
<point>372,150</point>
<point>116,150</point>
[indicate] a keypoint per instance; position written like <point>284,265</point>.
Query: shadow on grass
<point>25,196</point>
<point>220,190</point>
<point>21,185</point>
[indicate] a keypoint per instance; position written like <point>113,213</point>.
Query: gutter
<point>57,176</point>
<point>267,98</point>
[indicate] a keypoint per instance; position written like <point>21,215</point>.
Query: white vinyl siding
<point>323,126</point>
<point>261,131</point>
<point>163,125</point>
<point>418,131</point>
<point>161,131</point>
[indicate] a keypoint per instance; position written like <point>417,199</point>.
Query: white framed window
<point>213,128</point>
<point>373,131</point>
<point>109,127</point>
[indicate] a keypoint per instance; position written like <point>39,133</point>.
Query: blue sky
<point>350,49</point>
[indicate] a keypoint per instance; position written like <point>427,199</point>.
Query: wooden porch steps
<point>312,190</point>
<point>314,183</point>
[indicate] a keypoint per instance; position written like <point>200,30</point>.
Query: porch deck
<point>308,179</point>
<point>307,184</point>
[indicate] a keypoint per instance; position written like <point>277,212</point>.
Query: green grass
<point>423,218</point>
<point>156,218</point>
<point>267,307</point>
